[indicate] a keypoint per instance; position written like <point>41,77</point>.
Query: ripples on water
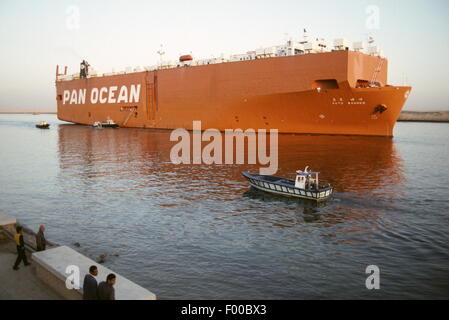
<point>197,232</point>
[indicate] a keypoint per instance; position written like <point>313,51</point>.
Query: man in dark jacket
<point>106,289</point>
<point>41,243</point>
<point>90,284</point>
<point>18,237</point>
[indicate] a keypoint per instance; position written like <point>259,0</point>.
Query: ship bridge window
<point>325,84</point>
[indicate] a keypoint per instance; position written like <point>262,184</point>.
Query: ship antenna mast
<point>305,35</point>
<point>288,39</point>
<point>161,52</point>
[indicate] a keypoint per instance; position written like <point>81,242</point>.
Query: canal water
<point>199,232</point>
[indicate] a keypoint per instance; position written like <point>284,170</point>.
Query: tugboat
<point>306,185</point>
<point>43,125</point>
<point>108,124</point>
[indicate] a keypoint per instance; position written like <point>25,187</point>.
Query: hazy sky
<point>37,35</point>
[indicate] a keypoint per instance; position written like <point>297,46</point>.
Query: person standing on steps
<point>18,237</point>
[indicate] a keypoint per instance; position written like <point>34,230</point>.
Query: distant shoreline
<point>410,116</point>
<point>424,116</point>
<point>27,112</point>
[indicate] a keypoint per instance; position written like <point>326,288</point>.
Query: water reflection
<point>308,207</point>
<point>203,228</point>
<point>136,163</point>
<point>210,211</point>
<point>351,164</point>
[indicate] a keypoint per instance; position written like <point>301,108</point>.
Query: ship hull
<point>277,93</point>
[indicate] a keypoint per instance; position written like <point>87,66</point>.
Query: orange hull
<point>312,93</point>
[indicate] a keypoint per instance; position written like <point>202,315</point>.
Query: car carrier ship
<point>298,87</point>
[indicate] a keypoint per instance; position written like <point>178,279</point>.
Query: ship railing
<point>253,55</point>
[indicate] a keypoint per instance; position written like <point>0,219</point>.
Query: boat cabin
<point>306,180</point>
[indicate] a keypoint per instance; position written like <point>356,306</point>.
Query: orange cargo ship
<point>295,88</point>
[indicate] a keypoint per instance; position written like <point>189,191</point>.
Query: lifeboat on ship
<point>185,58</point>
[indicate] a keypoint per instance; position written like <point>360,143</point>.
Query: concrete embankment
<point>418,116</point>
<point>50,270</point>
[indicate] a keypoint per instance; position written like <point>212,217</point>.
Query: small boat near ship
<point>43,125</point>
<point>306,185</point>
<point>108,124</point>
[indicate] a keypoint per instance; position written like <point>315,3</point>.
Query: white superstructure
<point>290,48</point>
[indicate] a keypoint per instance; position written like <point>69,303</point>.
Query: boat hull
<point>280,187</point>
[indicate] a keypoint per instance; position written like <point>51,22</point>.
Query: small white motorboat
<point>107,124</point>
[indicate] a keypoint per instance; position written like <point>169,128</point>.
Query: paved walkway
<point>22,284</point>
